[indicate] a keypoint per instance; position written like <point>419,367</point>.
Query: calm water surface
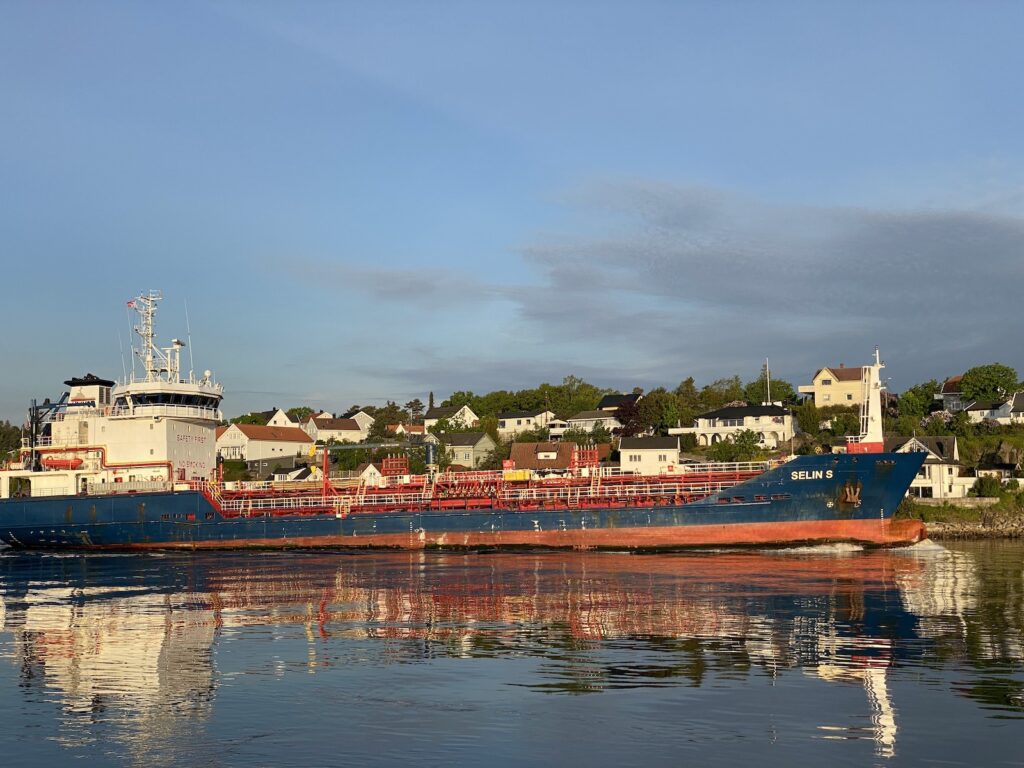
<point>788,658</point>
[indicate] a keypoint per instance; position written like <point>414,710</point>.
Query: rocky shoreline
<point>993,527</point>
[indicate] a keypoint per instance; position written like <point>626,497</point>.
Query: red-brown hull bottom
<point>881,533</point>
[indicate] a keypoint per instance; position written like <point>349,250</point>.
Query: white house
<point>468,449</point>
<point>940,475</point>
<point>253,442</point>
<point>340,430</point>
<point>773,425</point>
<point>1005,412</point>
<point>649,455</point>
<point>455,414</point>
<point>362,418</point>
<point>281,419</point>
<point>511,423</point>
<point>588,420</point>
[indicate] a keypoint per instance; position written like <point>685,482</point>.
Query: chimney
<point>842,365</point>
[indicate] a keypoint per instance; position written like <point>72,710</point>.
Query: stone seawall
<point>991,526</point>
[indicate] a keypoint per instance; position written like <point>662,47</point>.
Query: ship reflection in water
<point>144,658</point>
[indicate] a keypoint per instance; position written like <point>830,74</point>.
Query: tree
<point>742,447</point>
<point>721,391</point>
<point>987,383</point>
<point>299,413</point>
<point>808,419</point>
<point>579,436</point>
<point>659,411</point>
<point>757,390</point>
<point>415,408</point>
<point>628,415</point>
<point>987,486</point>
<point>843,420</point>
<point>917,401</point>
<point>430,401</point>
<point>10,439</point>
<point>259,419</point>
<point>390,413</point>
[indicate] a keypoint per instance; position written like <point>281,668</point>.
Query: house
<point>468,449</point>
<point>556,428</point>
<point>836,386</point>
<point>324,430</point>
<point>589,420</point>
<point>281,419</point>
<point>649,455</point>
<point>773,425</point>
<point>1004,412</point>
<point>370,474</point>
<point>612,403</point>
<point>455,414</point>
<point>253,442</point>
<point>406,429</point>
<point>940,475</point>
<point>949,394</point>
<point>511,423</point>
<point>544,459</point>
<point>361,417</point>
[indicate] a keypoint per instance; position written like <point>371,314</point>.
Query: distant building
<point>361,417</point>
<point>253,442</point>
<point>649,455</point>
<point>455,414</point>
<point>544,459</point>
<point>1004,412</point>
<point>468,449</point>
<point>940,475</point>
<point>281,419</point>
<point>772,424</point>
<point>588,420</point>
<point>511,423</point>
<point>836,386</point>
<point>612,403</point>
<point>949,395</point>
<point>324,430</point>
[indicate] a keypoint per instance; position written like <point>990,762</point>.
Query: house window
<point>519,422</point>
<point>662,457</point>
<point>849,397</point>
<point>826,397</point>
<point>826,382</point>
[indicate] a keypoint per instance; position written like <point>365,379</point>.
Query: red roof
<point>220,431</point>
<point>951,386</point>
<point>338,425</point>
<point>274,434</point>
<point>843,373</point>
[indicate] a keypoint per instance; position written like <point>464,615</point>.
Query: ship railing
<point>176,411</point>
<point>41,442</point>
<point>139,486</point>
<point>36,492</point>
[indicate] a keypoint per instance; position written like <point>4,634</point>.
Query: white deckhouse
<point>153,429</point>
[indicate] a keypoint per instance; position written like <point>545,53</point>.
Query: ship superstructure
<point>155,427</point>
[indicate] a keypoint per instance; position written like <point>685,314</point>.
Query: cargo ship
<point>132,466</point>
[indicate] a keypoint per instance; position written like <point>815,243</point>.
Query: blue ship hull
<point>835,497</point>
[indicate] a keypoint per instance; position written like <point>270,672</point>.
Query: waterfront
<point>332,658</point>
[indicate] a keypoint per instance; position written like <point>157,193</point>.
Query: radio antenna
<point>188,335</point>
<point>124,368</point>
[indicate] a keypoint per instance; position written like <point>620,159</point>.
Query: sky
<point>367,201</point>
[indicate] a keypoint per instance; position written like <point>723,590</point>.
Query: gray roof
<point>464,438</point>
<point>583,415</point>
<point>942,446</point>
<point>650,443</point>
<point>742,411</point>
<point>614,401</point>
<point>522,414</point>
<point>985,406</point>
<point>443,412</point>
<point>1018,403</point>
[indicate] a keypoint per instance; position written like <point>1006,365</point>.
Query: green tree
<point>845,420</point>
<point>598,434</point>
<point>415,408</point>
<point>260,419</point>
<point>988,383</point>
<point>987,486</point>
<point>808,418</point>
<point>10,440</point>
<point>659,411</point>
<point>756,391</point>
<point>917,401</point>
<point>299,413</point>
<point>721,391</point>
<point>390,413</point>
<point>742,447</point>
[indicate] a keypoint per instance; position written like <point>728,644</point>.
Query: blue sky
<point>371,201</point>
